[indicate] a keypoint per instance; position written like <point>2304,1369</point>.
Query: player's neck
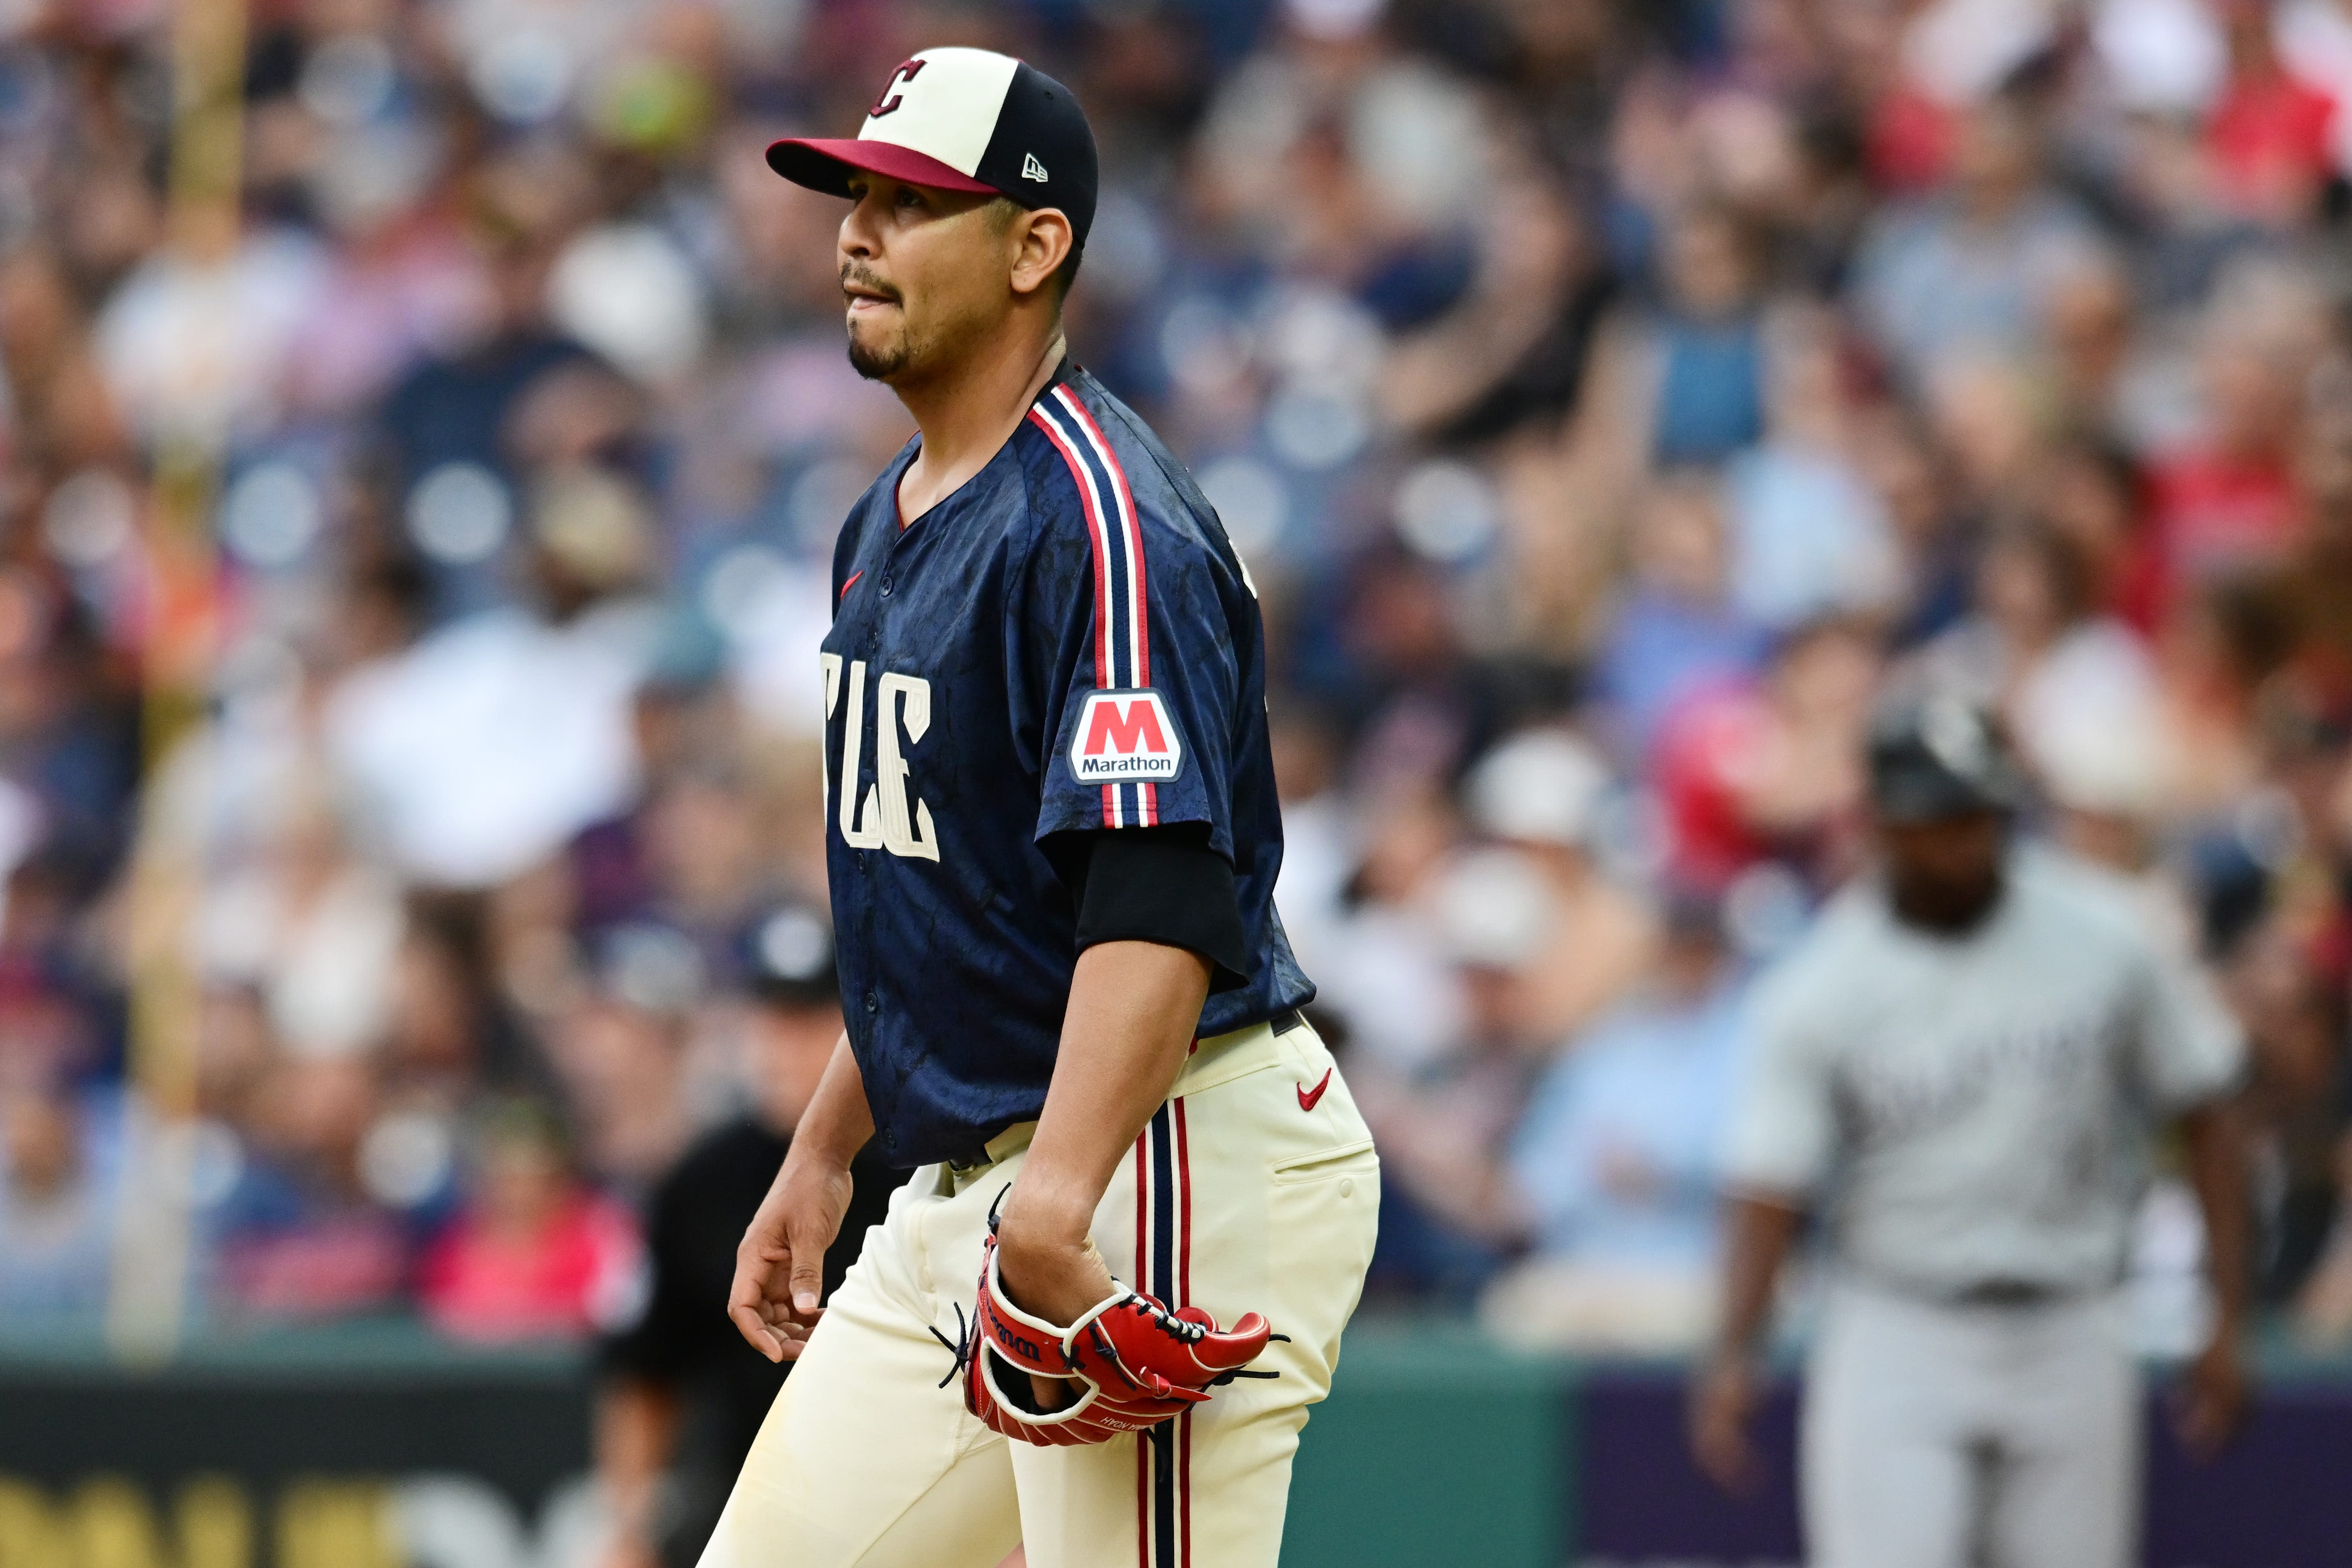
<point>968,410</point>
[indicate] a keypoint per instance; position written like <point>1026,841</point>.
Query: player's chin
<point>874,353</point>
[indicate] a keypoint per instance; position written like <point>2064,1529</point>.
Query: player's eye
<point>909,198</point>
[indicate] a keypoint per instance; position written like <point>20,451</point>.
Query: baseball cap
<point>1494,909</point>
<point>651,967</point>
<point>787,955</point>
<point>1938,756</point>
<point>1544,786</point>
<point>963,119</point>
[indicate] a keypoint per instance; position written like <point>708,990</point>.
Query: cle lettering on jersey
<point>1125,736</point>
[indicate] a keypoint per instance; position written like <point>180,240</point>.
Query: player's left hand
<point>1124,1363</point>
<point>1056,1277</point>
<point>2210,1407</point>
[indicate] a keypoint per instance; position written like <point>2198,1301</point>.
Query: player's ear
<point>1041,243</point>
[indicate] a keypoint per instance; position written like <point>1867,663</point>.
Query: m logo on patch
<point>1125,737</point>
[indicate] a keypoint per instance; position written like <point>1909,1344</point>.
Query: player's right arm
<point>1757,1233</point>
<point>1782,1139</point>
<point>780,1264</point>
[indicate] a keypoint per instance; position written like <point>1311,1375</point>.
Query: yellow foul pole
<point>146,1313</point>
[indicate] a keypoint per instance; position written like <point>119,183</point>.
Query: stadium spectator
<point>1543,793</point>
<point>1970,271</point>
<point>1707,346</point>
<point>1616,1159</point>
<point>1677,630</point>
<point>621,1052</point>
<point>2272,132</point>
<point>683,1395</point>
<point>1751,771</point>
<point>57,1203</point>
<point>1448,1214</point>
<point>530,1253</point>
<point>300,1235</point>
<point>2223,497</point>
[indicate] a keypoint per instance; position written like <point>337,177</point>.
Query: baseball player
<point>1962,1064</point>
<point>1144,1202</point>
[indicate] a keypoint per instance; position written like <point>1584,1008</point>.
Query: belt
<point>2011,1293</point>
<point>1016,1136</point>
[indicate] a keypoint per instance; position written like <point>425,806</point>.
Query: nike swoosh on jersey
<point>1308,1096</point>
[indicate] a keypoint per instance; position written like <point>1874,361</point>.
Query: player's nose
<point>857,237</point>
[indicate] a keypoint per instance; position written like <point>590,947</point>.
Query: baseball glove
<point>1134,1363</point>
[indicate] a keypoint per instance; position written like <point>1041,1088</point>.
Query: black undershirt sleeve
<point>1161,884</point>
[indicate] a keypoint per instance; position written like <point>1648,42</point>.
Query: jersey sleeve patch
<point>1125,737</point>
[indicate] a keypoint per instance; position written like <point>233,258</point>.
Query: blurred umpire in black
<point>682,1395</point>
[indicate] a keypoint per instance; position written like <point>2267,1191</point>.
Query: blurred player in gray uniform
<point>1963,1066</point>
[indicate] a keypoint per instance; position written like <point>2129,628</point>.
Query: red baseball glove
<point>1133,1362</point>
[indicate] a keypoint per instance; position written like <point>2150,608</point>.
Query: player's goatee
<point>878,365</point>
<point>875,364</point>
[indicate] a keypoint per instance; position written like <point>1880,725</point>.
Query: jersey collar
<point>1068,370</point>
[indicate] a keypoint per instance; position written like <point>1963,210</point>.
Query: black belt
<point>2011,1293</point>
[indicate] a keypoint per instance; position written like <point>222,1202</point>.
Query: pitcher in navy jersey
<point>1052,842</point>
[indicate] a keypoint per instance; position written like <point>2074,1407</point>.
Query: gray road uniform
<point>1973,1115</point>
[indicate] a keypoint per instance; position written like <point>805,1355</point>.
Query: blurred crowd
<point>1609,398</point>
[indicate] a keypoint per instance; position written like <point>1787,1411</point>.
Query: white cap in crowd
<point>1494,908</point>
<point>1540,786</point>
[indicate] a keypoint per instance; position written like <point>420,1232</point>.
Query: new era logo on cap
<point>963,119</point>
<point>1125,737</point>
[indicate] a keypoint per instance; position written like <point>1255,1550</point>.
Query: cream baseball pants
<point>1939,1435</point>
<point>1255,1188</point>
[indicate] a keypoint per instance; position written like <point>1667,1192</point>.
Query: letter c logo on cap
<point>888,102</point>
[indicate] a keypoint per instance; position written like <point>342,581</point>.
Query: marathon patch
<point>1125,737</point>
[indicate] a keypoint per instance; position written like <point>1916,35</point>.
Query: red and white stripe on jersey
<point>1163,1269</point>
<point>1123,604</point>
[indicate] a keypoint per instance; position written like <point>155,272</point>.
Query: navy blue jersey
<point>1067,645</point>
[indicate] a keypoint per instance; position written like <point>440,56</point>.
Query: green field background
<point>1435,1447</point>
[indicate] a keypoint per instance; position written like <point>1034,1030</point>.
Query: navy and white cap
<point>788,956</point>
<point>963,119</point>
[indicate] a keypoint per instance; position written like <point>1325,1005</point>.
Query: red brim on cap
<point>823,164</point>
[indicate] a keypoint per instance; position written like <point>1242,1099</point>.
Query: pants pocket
<point>1325,1164</point>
